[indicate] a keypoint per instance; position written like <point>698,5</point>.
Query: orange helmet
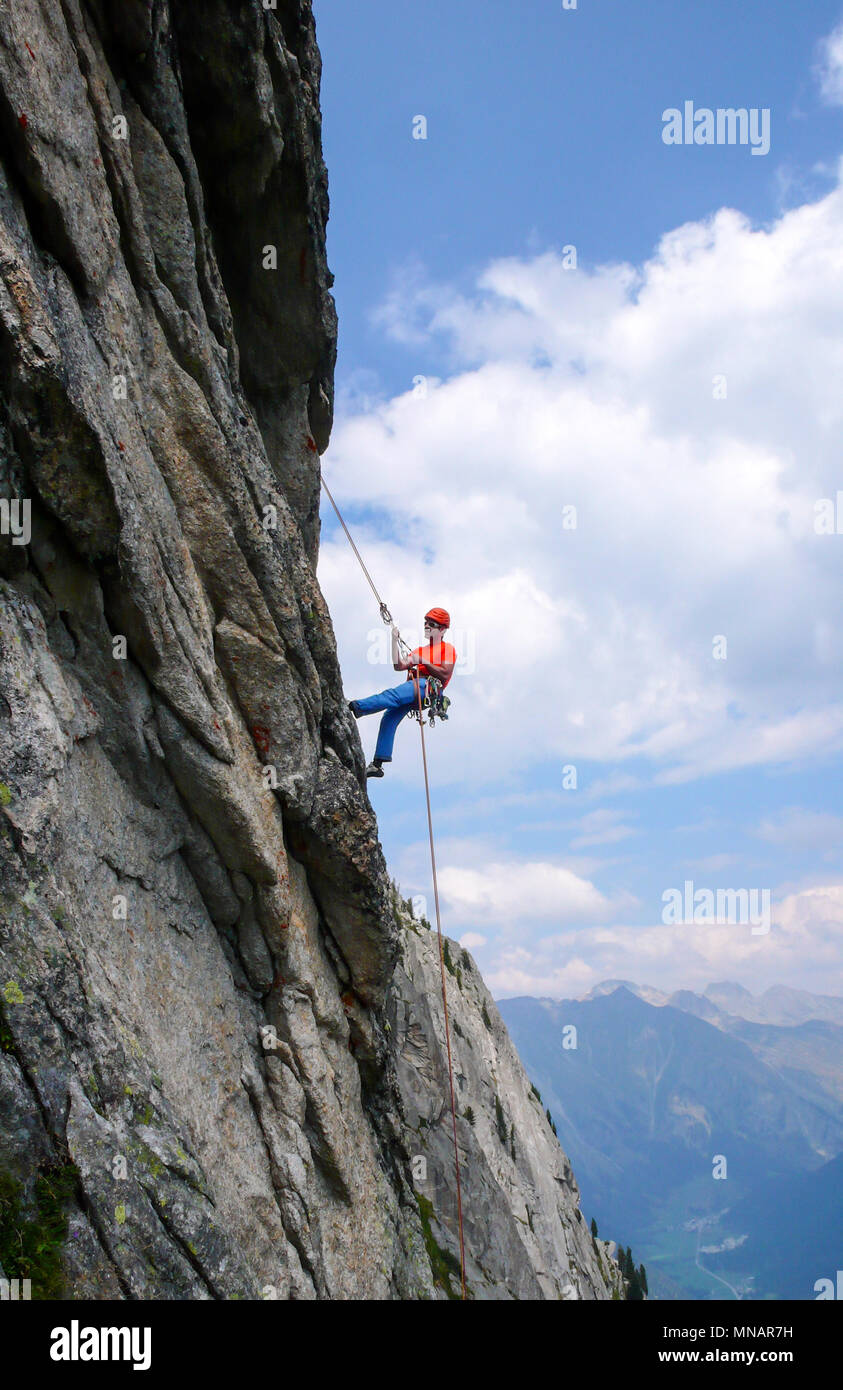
<point>439,615</point>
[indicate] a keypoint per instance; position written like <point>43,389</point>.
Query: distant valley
<point>704,1129</point>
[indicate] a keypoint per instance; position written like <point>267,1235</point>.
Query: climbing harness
<point>436,705</point>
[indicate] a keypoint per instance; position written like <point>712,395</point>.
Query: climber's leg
<point>387,699</point>
<point>397,706</point>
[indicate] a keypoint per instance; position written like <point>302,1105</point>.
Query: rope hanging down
<point>444,993</point>
<point>387,618</point>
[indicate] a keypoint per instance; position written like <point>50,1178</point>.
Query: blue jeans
<point>397,703</point>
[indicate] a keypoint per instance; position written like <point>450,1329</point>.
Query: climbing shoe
<point>375,769</point>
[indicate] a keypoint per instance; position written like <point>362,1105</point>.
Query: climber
<point>431,660</point>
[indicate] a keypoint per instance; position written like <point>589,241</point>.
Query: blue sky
<point>545,386</point>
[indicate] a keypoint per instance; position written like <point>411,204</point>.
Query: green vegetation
<point>550,1121</point>
<point>446,956</point>
<point>536,1092</point>
<point>484,1014</point>
<point>442,1263</point>
<point>402,911</point>
<point>5,794</point>
<point>468,1114</point>
<point>635,1280</point>
<point>466,960</point>
<point>7,1042</point>
<point>594,1228</point>
<point>150,1160</point>
<point>31,1243</point>
<point>500,1120</point>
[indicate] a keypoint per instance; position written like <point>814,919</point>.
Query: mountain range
<point>705,1129</point>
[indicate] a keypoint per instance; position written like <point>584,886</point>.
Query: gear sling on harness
<point>435,704</point>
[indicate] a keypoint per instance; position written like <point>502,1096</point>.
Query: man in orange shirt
<point>437,659</point>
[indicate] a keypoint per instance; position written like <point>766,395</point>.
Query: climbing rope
<point>444,991</point>
<point>387,618</point>
<point>385,613</point>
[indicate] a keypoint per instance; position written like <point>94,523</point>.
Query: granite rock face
<point>525,1236</point>
<point>198,937</point>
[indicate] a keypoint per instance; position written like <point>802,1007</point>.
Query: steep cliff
<point>525,1236</point>
<point>199,946</point>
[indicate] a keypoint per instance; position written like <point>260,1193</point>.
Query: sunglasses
<point>428,622</point>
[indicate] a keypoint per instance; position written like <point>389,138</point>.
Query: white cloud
<point>695,515</point>
<point>508,891</point>
<point>715,863</point>
<point>830,67</point>
<point>803,943</point>
<point>612,785</point>
<point>797,828</point>
<point>471,940</point>
<point>601,828</point>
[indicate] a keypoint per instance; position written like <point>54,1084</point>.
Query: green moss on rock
<point>32,1241</point>
<point>7,1042</point>
<point>442,1263</point>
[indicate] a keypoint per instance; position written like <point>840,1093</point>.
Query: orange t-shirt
<point>440,653</point>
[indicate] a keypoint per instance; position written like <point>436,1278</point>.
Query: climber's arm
<point>443,672</point>
<point>399,663</point>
